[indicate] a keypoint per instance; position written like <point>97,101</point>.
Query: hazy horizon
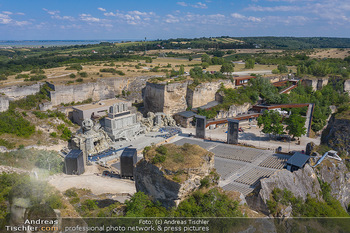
<point>106,20</point>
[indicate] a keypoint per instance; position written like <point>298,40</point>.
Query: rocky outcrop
<point>101,89</point>
<point>157,180</point>
<point>337,133</point>
<point>4,104</point>
<point>315,83</point>
<point>234,111</point>
<point>300,183</point>
<point>304,182</point>
<point>167,98</point>
<point>7,169</point>
<point>154,121</point>
<point>205,92</point>
<point>336,174</point>
<point>347,86</point>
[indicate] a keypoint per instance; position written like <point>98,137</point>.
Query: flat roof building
<point>239,81</point>
<point>298,160</point>
<point>94,110</point>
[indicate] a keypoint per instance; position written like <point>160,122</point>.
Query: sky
<point>163,19</point>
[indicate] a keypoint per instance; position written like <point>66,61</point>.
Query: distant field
<point>228,40</point>
<point>60,75</point>
<point>330,53</point>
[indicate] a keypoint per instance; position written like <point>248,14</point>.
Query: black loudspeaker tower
<point>74,162</point>
<point>232,132</point>
<point>201,122</point>
<point>128,159</point>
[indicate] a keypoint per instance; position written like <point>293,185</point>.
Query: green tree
<point>249,63</point>
<point>282,68</point>
<point>136,206</point>
<point>205,65</point>
<point>182,70</point>
<point>271,121</point>
<point>190,58</point>
<point>205,58</point>
<point>296,125</point>
<point>226,68</point>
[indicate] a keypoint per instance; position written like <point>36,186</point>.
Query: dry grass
<point>330,53</point>
<point>345,115</point>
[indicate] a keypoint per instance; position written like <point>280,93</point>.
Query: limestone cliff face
<point>20,91</point>
<point>102,89</point>
<point>337,134</point>
<point>300,183</point>
<point>4,104</point>
<point>167,98</point>
<point>205,92</point>
<point>305,182</point>
<point>337,175</point>
<point>154,181</point>
<point>176,97</point>
<point>234,111</point>
<point>347,86</point>
<point>154,97</point>
<point>315,83</point>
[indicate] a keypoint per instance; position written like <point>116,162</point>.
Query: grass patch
<point>177,158</point>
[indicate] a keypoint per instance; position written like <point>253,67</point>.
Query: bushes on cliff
<point>112,70</point>
<point>12,122</point>
<point>311,207</point>
<point>32,101</point>
<point>212,203</point>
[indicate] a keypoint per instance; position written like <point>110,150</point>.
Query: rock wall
<point>300,183</point>
<point>152,180</point>
<point>347,86</point>
<point>337,134</point>
<point>337,175</point>
<point>205,92</point>
<point>167,98</point>
<point>234,111</point>
<point>315,83</point>
<point>17,92</point>
<point>4,104</point>
<point>102,89</point>
<point>305,182</point>
<point>176,97</point>
<point>154,97</point>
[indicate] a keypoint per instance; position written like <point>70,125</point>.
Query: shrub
<point>72,76</point>
<point>7,144</point>
<point>13,123</point>
<point>71,193</point>
<point>22,76</point>
<point>37,71</point>
<point>79,80</point>
<point>37,77</point>
<point>162,149</point>
<point>53,134</point>
<point>77,67</point>
<point>40,115</point>
<point>89,204</point>
<point>83,74</point>
<point>158,159</point>
<point>66,134</point>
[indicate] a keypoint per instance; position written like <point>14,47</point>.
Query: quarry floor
<point>93,180</point>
